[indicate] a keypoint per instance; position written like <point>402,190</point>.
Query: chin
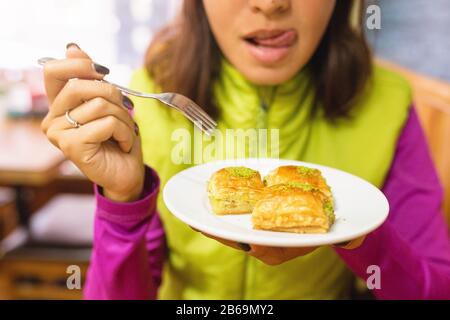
<point>268,76</point>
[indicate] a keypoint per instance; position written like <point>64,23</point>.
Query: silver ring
<point>73,122</point>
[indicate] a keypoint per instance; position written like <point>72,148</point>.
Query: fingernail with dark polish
<point>136,129</point>
<point>342,244</point>
<point>72,44</point>
<point>245,247</point>
<point>100,69</point>
<point>127,103</point>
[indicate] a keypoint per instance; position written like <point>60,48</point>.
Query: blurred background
<point>46,204</point>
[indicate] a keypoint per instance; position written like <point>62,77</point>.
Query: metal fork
<point>175,100</point>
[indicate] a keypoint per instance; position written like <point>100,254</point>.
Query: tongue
<point>281,40</point>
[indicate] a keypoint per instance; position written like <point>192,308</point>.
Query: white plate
<point>359,206</point>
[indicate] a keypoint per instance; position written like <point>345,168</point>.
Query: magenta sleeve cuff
<point>124,212</point>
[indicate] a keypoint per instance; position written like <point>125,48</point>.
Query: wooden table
<point>27,158</point>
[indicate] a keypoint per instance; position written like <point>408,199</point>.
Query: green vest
<point>364,145</point>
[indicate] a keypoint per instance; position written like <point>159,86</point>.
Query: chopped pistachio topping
<point>306,171</point>
<point>328,205</point>
<point>329,210</point>
<point>241,172</point>
<point>303,186</point>
<point>293,184</point>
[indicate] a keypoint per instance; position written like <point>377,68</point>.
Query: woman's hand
<point>278,255</point>
<point>105,147</point>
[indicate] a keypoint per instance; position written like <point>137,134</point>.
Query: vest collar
<point>230,73</point>
<point>243,104</point>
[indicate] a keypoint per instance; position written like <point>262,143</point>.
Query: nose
<point>270,7</point>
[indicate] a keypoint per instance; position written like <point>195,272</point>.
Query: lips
<point>274,38</point>
<point>270,46</point>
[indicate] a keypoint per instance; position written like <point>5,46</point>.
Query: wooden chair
<point>8,212</point>
<point>59,235</point>
<point>33,271</point>
<point>432,100</point>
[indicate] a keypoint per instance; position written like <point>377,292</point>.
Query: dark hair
<point>184,57</point>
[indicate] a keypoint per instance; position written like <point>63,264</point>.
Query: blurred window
<point>114,32</point>
<point>414,33</point>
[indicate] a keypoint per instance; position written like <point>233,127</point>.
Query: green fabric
<point>200,268</point>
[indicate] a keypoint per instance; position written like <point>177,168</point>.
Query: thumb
<point>352,244</point>
<point>74,51</point>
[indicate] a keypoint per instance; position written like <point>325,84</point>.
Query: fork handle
<point>44,60</point>
<point>131,91</point>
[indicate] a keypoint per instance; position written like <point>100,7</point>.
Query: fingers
<point>232,244</point>
<point>76,92</point>
<point>73,141</point>
<point>266,254</point>
<point>228,243</point>
<point>73,51</point>
<point>103,129</point>
<point>352,244</point>
<point>92,110</point>
<point>278,255</point>
<point>58,72</point>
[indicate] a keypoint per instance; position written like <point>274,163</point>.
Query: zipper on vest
<point>266,98</point>
<point>262,116</point>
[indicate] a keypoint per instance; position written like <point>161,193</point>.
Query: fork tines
<point>194,113</point>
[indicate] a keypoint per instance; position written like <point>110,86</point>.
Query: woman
<point>294,66</point>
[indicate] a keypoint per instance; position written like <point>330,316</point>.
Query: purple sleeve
<point>412,248</point>
<point>129,246</point>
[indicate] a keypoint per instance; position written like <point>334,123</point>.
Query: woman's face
<point>268,41</point>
